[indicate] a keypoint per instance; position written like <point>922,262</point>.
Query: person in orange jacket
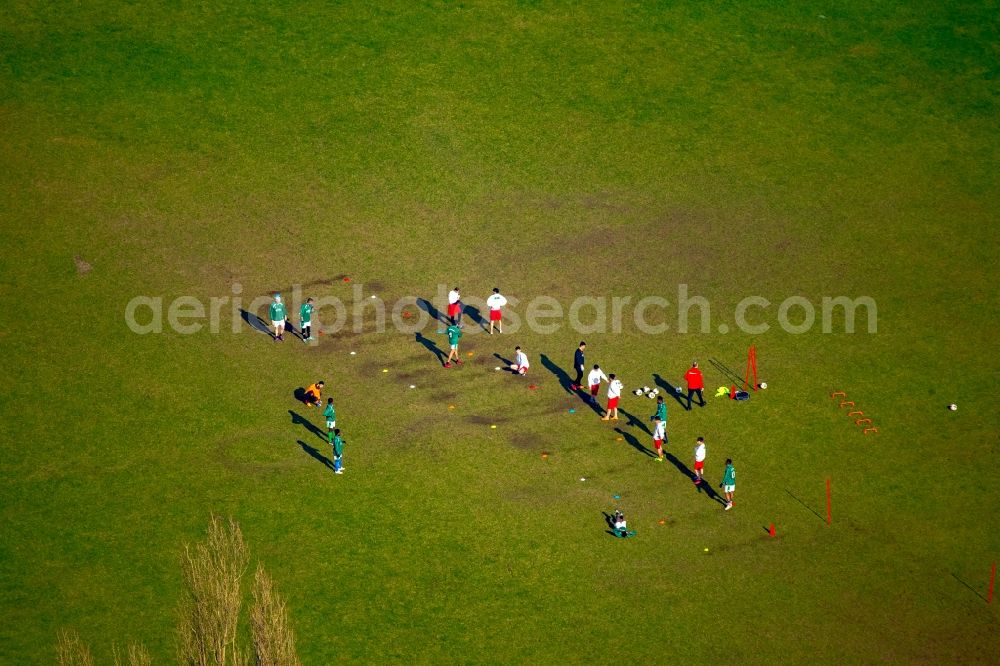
<point>312,394</point>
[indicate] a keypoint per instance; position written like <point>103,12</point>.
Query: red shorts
<point>700,465</point>
<point>453,309</point>
<point>658,443</point>
<point>594,388</point>
<point>495,315</point>
<point>612,403</point>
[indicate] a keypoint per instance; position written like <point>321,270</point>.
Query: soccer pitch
<point>668,181</point>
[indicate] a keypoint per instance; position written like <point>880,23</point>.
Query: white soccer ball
<point>763,385</point>
<point>497,368</point>
<point>677,389</point>
<point>655,391</point>
<point>651,395</point>
<point>645,389</point>
<point>952,406</point>
<point>637,392</point>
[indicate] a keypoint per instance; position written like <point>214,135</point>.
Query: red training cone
<point>771,531</point>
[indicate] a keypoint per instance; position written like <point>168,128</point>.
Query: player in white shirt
<point>699,460</point>
<point>659,434</point>
<point>614,393</point>
<point>594,380</point>
<point>495,304</point>
<point>455,306</point>
<point>520,365</point>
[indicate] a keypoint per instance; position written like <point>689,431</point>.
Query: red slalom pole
<point>993,577</point>
<point>828,515</point>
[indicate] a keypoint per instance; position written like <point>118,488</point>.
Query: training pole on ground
<point>993,577</point>
<point>828,514</point>
<point>751,368</point>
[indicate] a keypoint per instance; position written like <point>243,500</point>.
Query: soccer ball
<point>763,385</point>
<point>651,395</point>
<point>952,406</point>
<point>655,391</point>
<point>645,389</point>
<point>637,392</point>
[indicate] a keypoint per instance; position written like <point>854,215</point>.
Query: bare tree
<point>137,655</point>
<point>273,639</point>
<point>73,651</point>
<point>210,610</point>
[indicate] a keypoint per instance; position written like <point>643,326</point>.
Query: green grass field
<point>550,148</point>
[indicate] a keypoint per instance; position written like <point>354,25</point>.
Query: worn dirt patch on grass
<point>82,267</point>
<point>524,441</point>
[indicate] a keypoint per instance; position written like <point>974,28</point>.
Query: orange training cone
<point>771,531</point>
<point>732,392</point>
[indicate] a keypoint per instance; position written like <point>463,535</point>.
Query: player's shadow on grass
<point>634,442</point>
<point>431,347</point>
<point>609,519</point>
<point>296,332</point>
<point>567,384</point>
<point>670,389</point>
<point>560,374</point>
<point>473,313</point>
<point>315,454</point>
<point>505,363</point>
<point>703,487</point>
<point>297,419</point>
<point>434,313</point>
<point>255,322</point>
<point>633,421</point>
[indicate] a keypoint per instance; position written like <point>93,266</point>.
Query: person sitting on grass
<point>312,394</point>
<point>620,526</point>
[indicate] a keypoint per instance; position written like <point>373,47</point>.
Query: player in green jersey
<point>729,483</point>
<point>338,452</point>
<point>454,335</point>
<point>278,317</point>
<point>305,320</point>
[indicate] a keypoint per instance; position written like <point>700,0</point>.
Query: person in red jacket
<point>696,384</point>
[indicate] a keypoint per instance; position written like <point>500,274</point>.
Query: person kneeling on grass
<point>312,394</point>
<point>520,365</point>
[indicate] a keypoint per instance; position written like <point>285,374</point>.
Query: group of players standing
<point>520,366</point>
